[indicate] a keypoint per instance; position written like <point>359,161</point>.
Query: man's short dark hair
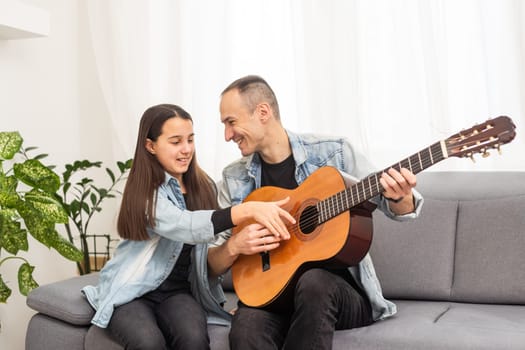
<point>254,90</point>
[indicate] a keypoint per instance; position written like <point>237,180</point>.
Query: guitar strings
<point>332,204</point>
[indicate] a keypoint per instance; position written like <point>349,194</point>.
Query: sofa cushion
<point>470,185</point>
<point>64,300</point>
<point>440,326</point>
<point>488,317</point>
<point>414,259</point>
<point>490,255</point>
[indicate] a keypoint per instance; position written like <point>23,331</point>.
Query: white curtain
<point>391,76</point>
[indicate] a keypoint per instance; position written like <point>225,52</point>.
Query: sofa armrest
<point>64,300</point>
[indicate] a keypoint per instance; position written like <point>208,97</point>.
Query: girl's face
<point>174,147</point>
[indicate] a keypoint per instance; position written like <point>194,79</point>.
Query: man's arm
<point>252,239</point>
<point>405,206</point>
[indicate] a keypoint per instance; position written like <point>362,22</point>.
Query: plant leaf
<point>5,291</point>
<point>78,165</point>
<point>10,143</point>
<point>42,229</point>
<point>48,207</point>
<point>102,192</point>
<point>74,206</point>
<point>26,283</point>
<point>40,156</point>
<point>67,249</point>
<point>123,167</point>
<point>111,175</point>
<point>44,233</point>
<point>8,196</point>
<point>33,173</point>
<point>85,181</point>
<point>12,237</point>
<point>85,207</point>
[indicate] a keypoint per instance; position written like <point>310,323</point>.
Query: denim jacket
<point>138,267</point>
<point>310,153</point>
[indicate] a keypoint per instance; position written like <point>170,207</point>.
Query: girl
<point>155,293</point>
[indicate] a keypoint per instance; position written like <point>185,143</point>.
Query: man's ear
<point>264,111</point>
<point>150,146</point>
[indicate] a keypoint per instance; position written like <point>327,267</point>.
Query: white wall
<point>50,93</point>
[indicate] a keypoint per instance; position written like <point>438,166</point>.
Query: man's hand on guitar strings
<point>397,187</point>
<point>397,184</point>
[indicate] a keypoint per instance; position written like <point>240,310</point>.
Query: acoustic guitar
<point>334,217</point>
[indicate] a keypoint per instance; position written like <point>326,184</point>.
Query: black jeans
<point>177,322</point>
<point>323,302</point>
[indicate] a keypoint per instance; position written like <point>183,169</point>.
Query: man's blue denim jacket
<point>138,267</point>
<point>310,153</point>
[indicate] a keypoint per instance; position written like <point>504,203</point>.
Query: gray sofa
<point>457,275</point>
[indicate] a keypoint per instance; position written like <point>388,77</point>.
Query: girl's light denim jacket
<point>310,153</point>
<point>138,267</point>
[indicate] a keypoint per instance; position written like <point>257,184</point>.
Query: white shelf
<point>19,20</point>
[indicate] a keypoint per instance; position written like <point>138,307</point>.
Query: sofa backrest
<point>467,245</point>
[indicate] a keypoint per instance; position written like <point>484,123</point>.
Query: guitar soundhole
<point>308,219</point>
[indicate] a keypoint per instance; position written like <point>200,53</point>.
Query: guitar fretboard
<point>370,186</point>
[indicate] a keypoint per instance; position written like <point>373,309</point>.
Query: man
<point>324,299</point>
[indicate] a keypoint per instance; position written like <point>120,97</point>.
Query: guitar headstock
<point>481,138</point>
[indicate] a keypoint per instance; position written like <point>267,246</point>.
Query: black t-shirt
<point>281,174</point>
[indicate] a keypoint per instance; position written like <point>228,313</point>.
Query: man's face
<point>241,126</point>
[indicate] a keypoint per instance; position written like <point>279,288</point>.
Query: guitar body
<point>341,241</point>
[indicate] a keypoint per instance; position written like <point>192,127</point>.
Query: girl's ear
<point>150,146</point>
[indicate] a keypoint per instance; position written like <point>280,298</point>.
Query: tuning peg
<point>485,154</point>
<point>498,148</point>
<point>471,156</point>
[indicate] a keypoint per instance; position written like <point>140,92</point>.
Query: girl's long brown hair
<point>146,175</point>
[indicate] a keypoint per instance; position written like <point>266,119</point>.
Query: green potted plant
<point>28,204</point>
<point>81,198</point>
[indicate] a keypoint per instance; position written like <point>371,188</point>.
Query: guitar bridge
<point>265,260</point>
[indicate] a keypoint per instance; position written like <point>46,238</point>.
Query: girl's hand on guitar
<point>269,214</point>
<point>252,239</point>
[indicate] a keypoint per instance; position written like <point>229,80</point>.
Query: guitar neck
<point>370,186</point>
